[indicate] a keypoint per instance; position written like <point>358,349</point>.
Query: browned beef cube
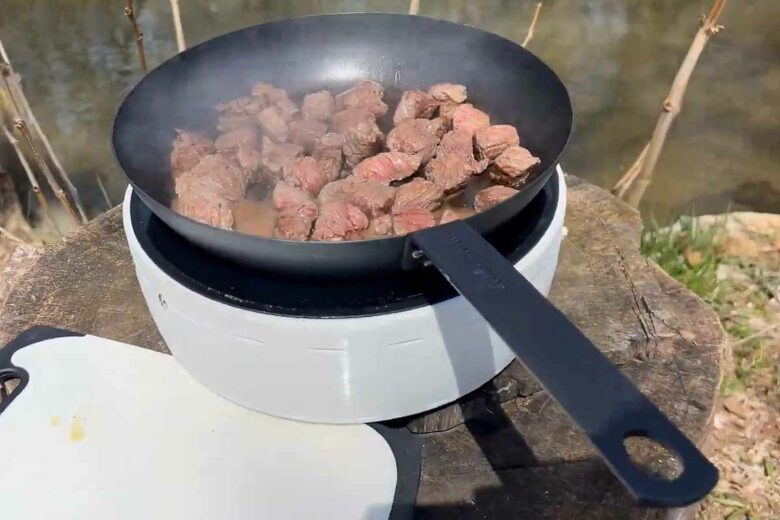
<point>513,166</point>
<point>188,149</point>
<point>274,158</point>
<point>242,106</point>
<point>248,158</point>
<point>304,132</point>
<point>381,226</point>
<point>337,220</point>
<point>360,142</point>
<point>273,121</point>
<point>448,92</point>
<point>318,105</point>
<point>387,167</point>
<point>438,126</point>
<point>447,112</point>
<point>493,140</point>
<point>489,197</point>
<point>204,208</point>
<point>448,172</point>
<point>365,94</point>
<point>291,225</point>
<point>231,140</point>
<point>461,144</point>
<point>343,120</point>
<point>288,197</point>
<point>418,193</point>
<point>216,175</point>
<point>306,174</point>
<point>414,104</point>
<point>452,214</point>
<point>413,137</point>
<point>470,119</point>
<point>268,94</point>
<point>412,219</point>
<point>328,152</point>
<point>373,198</point>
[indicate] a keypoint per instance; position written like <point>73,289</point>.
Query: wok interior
<point>333,52</point>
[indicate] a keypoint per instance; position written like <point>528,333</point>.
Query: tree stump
<point>506,450</point>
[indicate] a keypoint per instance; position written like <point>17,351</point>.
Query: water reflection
<point>617,57</point>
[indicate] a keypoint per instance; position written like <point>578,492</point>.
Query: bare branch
<point>139,36</point>
<point>532,26</point>
<point>4,232</point>
<point>26,166</point>
<point>103,191</point>
<point>21,126</point>
<point>180,43</point>
<point>22,109</point>
<point>414,7</point>
<point>632,186</point>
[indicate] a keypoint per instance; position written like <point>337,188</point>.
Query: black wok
<point>508,82</point>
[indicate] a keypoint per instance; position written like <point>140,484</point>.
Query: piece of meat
<point>438,126</point>
<point>275,157</point>
<point>248,158</point>
<point>452,214</point>
<point>381,226</point>
<point>448,172</point>
<point>373,198</point>
<point>489,197</point>
<point>338,219</point>
<point>470,119</point>
<point>188,149</point>
<point>414,104</point>
<point>241,106</point>
<point>414,137</point>
<point>513,166</point>
<point>361,141</point>
<point>306,174</point>
<point>412,219</point>
<point>493,140</point>
<point>460,143</point>
<point>387,167</point>
<point>343,120</point>
<point>288,197</point>
<point>418,193</point>
<point>318,105</point>
<point>291,225</point>
<point>328,152</point>
<point>447,112</point>
<point>365,94</point>
<point>205,208</point>
<point>288,107</point>
<point>448,92</point>
<point>216,175</point>
<point>268,94</point>
<point>235,138</point>
<point>228,123</point>
<point>304,132</point>
<point>273,121</point>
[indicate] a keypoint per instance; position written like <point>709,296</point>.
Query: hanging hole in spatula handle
<point>596,395</point>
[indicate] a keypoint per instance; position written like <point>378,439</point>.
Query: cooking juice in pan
<point>326,171</point>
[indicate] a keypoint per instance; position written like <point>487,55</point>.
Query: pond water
<point>617,57</point>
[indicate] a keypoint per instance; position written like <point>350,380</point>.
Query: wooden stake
<point>414,7</point>
<point>634,183</point>
<point>180,43</point>
<point>23,110</point>
<point>139,36</point>
<point>529,36</point>
<point>21,126</point>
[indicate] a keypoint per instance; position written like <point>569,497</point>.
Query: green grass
<point>691,255</point>
<point>688,253</point>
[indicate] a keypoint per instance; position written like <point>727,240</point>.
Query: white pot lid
<point>101,429</point>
